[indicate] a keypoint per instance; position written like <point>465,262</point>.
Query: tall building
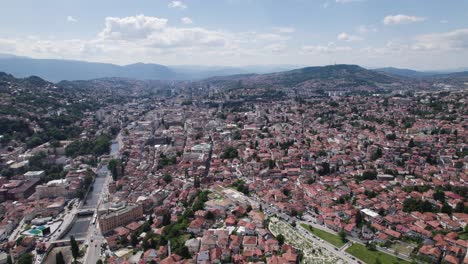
<point>120,216</point>
<point>53,189</point>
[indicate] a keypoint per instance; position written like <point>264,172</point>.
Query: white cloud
<point>452,40</point>
<point>271,37</point>
<point>364,29</point>
<point>443,21</point>
<point>149,39</point>
<point>187,37</point>
<point>186,20</point>
<point>401,19</point>
<point>7,46</point>
<point>177,4</point>
<point>349,38</point>
<point>330,48</point>
<point>284,29</point>
<point>276,47</point>
<point>133,27</point>
<point>71,19</point>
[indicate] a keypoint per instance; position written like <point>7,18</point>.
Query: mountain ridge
<point>56,70</point>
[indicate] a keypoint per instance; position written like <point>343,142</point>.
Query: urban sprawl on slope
<point>205,178</point>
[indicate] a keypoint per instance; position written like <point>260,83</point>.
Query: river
<point>81,224</point>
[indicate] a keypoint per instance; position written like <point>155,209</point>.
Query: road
<point>17,230</point>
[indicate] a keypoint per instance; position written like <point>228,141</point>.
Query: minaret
<point>168,248</point>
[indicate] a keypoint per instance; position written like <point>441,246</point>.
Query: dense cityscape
<point>207,173</point>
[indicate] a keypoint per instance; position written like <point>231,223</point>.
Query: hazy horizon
<point>403,34</point>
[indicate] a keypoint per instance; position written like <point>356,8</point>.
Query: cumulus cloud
<point>143,38</point>
<point>177,4</point>
<point>401,19</point>
<point>186,20</point>
<point>132,27</point>
<point>452,40</point>
<point>71,19</point>
<point>347,37</point>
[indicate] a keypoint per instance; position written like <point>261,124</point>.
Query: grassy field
<point>369,256</point>
<point>329,237</point>
<point>402,248</point>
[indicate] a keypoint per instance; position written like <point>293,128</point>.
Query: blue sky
<point>419,34</point>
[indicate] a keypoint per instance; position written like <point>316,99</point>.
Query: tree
<point>36,161</point>
<point>114,166</point>
<point>358,218</point>
<point>369,175</point>
<point>411,143</point>
<point>446,209</point>
<point>230,153</point>
<point>411,205</point>
<point>236,135</point>
<point>9,260</point>
<point>377,154</point>
<point>166,219</point>
<point>25,259</point>
<point>145,244</point>
<point>59,258</point>
<point>99,261</point>
<point>196,182</point>
<point>343,236</point>
<point>7,172</point>
<point>167,178</point>
<point>146,227</point>
<point>460,207</point>
<point>439,195</point>
<point>371,246</point>
<point>280,239</point>
<point>459,164</point>
<point>80,194</point>
<point>271,164</point>
<point>210,215</point>
<point>382,211</point>
<point>74,248</point>
<point>241,187</point>
<point>134,239</point>
<point>88,178</point>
